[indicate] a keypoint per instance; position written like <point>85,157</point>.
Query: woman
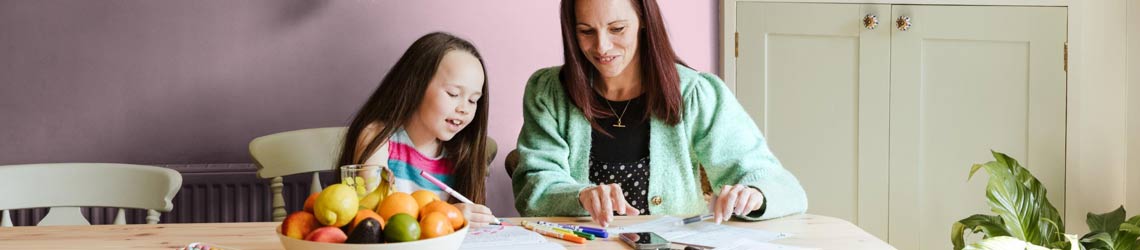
<point>624,127</point>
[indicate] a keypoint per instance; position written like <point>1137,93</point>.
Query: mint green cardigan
<point>716,132</point>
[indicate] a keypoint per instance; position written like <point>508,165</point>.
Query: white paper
<point>700,233</point>
<point>506,238</point>
<point>747,244</point>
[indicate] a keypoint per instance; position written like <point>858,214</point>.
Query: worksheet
<point>699,233</point>
<point>506,238</point>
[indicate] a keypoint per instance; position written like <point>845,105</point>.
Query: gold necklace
<point>618,124</point>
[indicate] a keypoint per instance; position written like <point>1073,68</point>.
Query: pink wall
<point>175,82</point>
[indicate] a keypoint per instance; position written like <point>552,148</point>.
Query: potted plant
<point>1025,219</point>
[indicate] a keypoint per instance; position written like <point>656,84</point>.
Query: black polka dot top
<point>623,158</point>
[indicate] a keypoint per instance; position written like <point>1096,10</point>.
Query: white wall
<point>1133,77</point>
<point>1098,115</point>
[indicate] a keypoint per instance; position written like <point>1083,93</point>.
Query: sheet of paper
<point>700,233</point>
<point>747,244</point>
<point>506,238</point>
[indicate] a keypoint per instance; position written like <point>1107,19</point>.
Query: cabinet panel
<point>816,83</point>
<point>965,80</point>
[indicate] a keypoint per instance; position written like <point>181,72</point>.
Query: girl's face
<point>452,96</point>
<point>607,34</point>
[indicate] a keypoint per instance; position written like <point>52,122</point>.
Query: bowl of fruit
<point>335,219</point>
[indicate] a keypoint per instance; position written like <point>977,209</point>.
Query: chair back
<point>64,187</point>
<point>294,152</point>
<point>298,151</point>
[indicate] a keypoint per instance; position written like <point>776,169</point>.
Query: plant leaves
<point>1106,222</point>
<point>989,225</point>
<point>1097,241</point>
<point>1020,200</point>
<point>1003,243</point>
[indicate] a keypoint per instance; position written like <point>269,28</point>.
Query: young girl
<point>429,114</point>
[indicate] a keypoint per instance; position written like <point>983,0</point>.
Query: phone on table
<point>645,240</point>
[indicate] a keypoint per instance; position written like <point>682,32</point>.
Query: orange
<point>453,214</point>
<point>310,201</point>
<point>398,202</point>
<point>364,214</point>
<point>435,224</point>
<point>423,197</point>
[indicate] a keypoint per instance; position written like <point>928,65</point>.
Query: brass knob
<point>870,22</point>
<point>904,23</point>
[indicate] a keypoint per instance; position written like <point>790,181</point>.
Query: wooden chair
<point>294,152</point>
<point>64,187</point>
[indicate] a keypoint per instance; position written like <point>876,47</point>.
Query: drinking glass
<point>367,178</point>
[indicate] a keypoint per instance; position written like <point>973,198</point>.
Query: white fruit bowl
<point>446,242</point>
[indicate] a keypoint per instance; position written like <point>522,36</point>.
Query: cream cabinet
<point>880,109</point>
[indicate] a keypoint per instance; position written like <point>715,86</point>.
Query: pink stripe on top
<point>408,154</point>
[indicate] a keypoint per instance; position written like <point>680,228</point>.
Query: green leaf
<point>1097,241</point>
<point>1109,231</point>
<point>1130,228</point>
<point>1106,222</point>
<point>989,225</point>
<point>1003,243</point>
<point>1020,200</point>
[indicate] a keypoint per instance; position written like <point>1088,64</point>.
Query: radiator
<point>209,193</point>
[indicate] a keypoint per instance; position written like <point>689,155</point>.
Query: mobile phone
<point>644,240</point>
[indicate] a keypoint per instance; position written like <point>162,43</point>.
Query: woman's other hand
<point>736,200</point>
<point>602,201</point>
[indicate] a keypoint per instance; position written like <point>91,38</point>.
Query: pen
<point>693,219</point>
<point>593,231</point>
<point>450,191</point>
<point>585,235</point>
<point>554,234</point>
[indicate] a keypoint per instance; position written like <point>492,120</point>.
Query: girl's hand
<point>477,215</point>
<point>736,200</point>
<point>602,201</point>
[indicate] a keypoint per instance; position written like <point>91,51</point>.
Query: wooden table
<point>808,231</point>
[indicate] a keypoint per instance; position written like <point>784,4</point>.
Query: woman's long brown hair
<point>399,96</point>
<point>658,67</point>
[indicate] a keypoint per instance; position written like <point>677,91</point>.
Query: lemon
<point>336,205</point>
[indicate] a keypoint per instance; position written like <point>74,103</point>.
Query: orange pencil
<point>555,234</point>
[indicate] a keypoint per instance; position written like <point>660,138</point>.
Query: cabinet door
<point>815,80</point>
<point>965,80</point>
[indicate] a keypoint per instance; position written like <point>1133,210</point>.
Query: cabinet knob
<point>904,23</point>
<point>870,22</point>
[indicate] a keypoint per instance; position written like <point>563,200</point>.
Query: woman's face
<point>607,34</point>
<point>452,97</point>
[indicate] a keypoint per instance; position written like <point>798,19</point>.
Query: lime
<point>402,228</point>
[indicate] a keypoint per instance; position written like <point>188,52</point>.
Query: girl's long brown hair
<point>399,96</point>
<point>659,76</point>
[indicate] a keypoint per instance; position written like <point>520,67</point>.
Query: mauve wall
<point>188,82</point>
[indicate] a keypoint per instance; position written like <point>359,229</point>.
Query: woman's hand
<point>736,200</point>
<point>476,215</point>
<point>602,201</point>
